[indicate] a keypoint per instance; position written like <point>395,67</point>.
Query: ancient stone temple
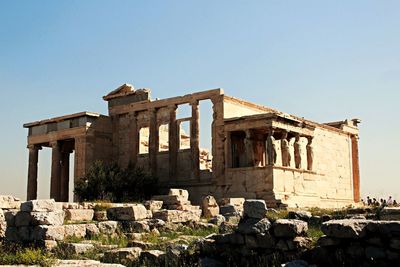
<point>256,151</point>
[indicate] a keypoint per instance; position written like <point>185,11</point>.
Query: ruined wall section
<point>234,107</point>
<point>329,184</point>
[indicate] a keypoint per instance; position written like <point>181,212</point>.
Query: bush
<point>109,182</point>
<point>13,255</point>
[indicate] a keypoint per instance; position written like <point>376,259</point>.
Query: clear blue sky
<point>324,60</point>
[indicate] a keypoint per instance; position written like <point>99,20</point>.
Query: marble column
<point>153,141</point>
<point>248,142</point>
<point>173,143</point>
<point>310,153</point>
<point>32,172</point>
<point>64,185</point>
<point>356,168</point>
<point>133,138</point>
<point>195,139</point>
<point>297,152</point>
<point>55,171</point>
<point>285,149</point>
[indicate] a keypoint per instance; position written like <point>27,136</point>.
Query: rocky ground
<point>169,231</point>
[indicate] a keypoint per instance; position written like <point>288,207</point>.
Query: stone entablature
<point>256,152</point>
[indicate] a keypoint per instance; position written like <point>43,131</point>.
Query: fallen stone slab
<point>10,217</point>
<point>177,216</point>
<point>131,213</point>
<point>108,227</point>
<point>46,232</point>
<point>153,205</point>
<point>23,218</point>
<point>77,230</point>
<point>255,208</point>
<point>254,226</point>
<point>300,215</point>
<point>134,226</point>
<point>217,220</point>
<point>92,230</point>
<point>384,228</point>
<point>289,228</point>
<point>76,248</point>
<point>122,255</point>
<point>390,213</point>
<point>169,200</point>
<point>259,241</point>
<point>179,192</point>
<point>39,205</point>
<point>47,218</point>
<point>79,215</point>
<point>153,257</point>
<point>346,228</point>
<point>210,207</point>
<point>84,263</point>
<point>100,216</point>
<point>9,202</point>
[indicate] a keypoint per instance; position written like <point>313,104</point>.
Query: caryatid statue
<point>285,150</point>
<point>310,153</point>
<point>271,148</point>
<point>297,152</point>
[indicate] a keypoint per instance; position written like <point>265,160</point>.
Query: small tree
<point>110,182</point>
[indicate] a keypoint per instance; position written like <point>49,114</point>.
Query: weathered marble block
<point>131,213</point>
<point>255,208</point>
<point>78,215</point>
<point>46,232</point>
<point>55,218</point>
<point>39,205</point>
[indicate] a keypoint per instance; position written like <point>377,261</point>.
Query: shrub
<point>109,182</point>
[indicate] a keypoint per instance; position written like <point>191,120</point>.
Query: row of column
<point>173,140</point>
<point>271,151</point>
<point>59,181</point>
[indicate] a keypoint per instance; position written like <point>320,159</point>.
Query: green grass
<point>280,214</point>
<point>314,232</point>
<point>120,240</point>
<point>14,255</point>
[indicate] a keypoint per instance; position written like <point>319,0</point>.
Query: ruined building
<point>256,151</point>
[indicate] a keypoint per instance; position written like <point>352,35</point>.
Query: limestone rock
<point>255,208</point>
<point>296,263</point>
<point>179,192</point>
<point>78,215</point>
<point>289,228</point>
<point>77,230</point>
<point>210,207</point>
<point>39,205</point>
<point>122,255</point>
<point>49,244</point>
<point>46,232</point>
<point>47,218</point>
<point>23,218</point>
<point>153,205</point>
<point>384,228</point>
<point>134,226</point>
<point>76,248</point>
<point>131,213</point>
<point>254,226</point>
<point>10,217</point>
<point>238,201</point>
<point>390,213</point>
<point>84,263</point>
<point>259,241</point>
<point>300,215</point>
<point>9,202</point>
<point>92,230</point>
<point>153,257</point>
<point>100,216</point>
<point>345,228</point>
<point>325,241</point>
<point>108,227</point>
<point>375,253</point>
<point>177,216</point>
<point>217,220</point>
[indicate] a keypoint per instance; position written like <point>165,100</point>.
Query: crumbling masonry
<point>257,152</point>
